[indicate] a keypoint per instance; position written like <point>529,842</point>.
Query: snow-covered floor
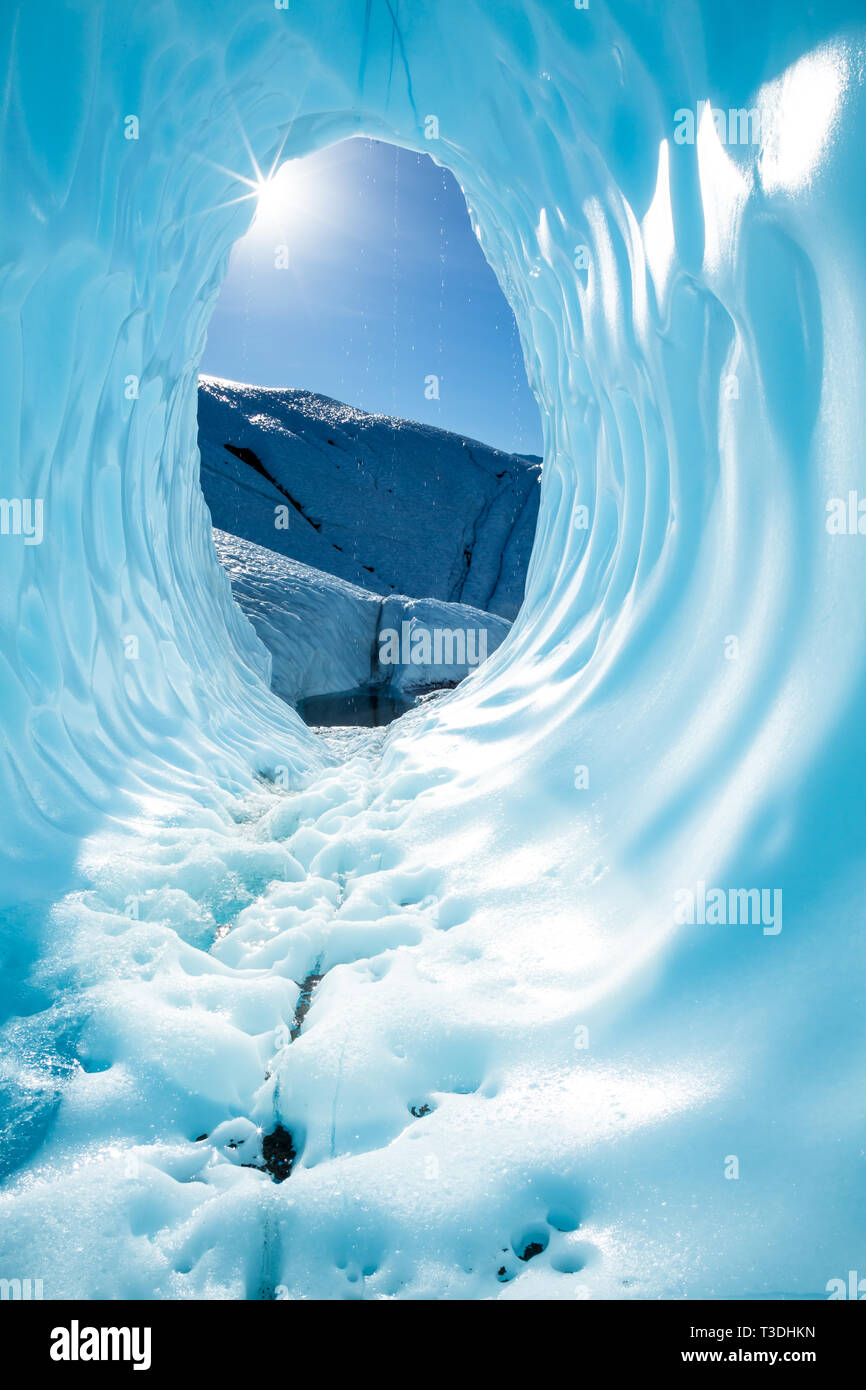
<point>416,1175</point>
<point>202,937</point>
<point>301,980</point>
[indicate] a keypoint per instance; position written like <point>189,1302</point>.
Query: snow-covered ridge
<point>389,504</point>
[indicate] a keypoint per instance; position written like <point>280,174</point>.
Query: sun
<point>288,201</point>
<point>269,201</point>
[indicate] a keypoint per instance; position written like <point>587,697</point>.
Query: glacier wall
<point>679,700</point>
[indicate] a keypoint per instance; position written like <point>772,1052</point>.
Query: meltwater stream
<point>553,1015</point>
<point>365,706</point>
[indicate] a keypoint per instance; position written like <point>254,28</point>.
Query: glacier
<point>326,636</point>
<point>387,504</point>
<point>441,973</point>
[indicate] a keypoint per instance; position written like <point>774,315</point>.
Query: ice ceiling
<point>690,295</point>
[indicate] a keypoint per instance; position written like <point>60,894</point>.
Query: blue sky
<point>385,286</point>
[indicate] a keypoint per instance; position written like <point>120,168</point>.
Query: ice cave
<point>560,994</point>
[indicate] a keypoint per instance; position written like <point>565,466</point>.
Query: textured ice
<point>325,635</point>
<point>514,1042</point>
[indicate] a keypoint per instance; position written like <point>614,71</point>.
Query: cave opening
<point>370,447</point>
